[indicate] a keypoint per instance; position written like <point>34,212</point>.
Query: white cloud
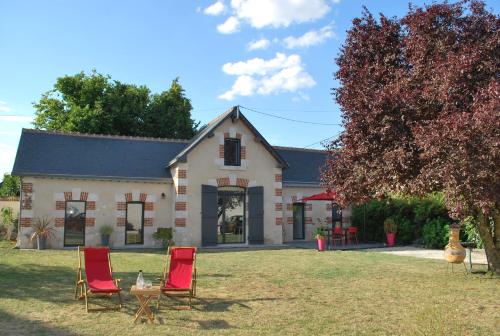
<point>231,25</point>
<point>16,118</point>
<point>310,38</point>
<point>279,13</point>
<point>4,107</point>
<point>258,76</point>
<point>263,43</point>
<point>216,8</point>
<point>8,154</point>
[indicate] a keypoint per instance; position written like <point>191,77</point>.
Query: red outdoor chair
<point>338,236</point>
<point>98,276</point>
<point>180,280</point>
<point>352,234</point>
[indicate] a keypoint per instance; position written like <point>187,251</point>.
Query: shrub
<point>435,233</point>
<point>106,230</point>
<point>405,230</point>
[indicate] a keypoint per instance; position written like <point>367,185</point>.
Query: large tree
<point>421,112</point>
<point>10,186</point>
<point>95,103</point>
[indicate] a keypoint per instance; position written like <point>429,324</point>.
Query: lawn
<point>287,292</point>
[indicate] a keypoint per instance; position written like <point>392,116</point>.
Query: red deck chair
<point>98,276</point>
<point>180,279</point>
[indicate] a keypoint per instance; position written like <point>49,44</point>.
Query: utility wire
<point>320,141</point>
<point>289,119</point>
<point>292,110</point>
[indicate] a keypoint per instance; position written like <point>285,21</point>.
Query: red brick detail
<point>279,220</point>
<point>26,222</point>
<point>278,206</point>
<point>91,205</point>
<point>27,187</point>
<point>148,221</point>
<point>60,205</point>
<point>182,173</point>
<point>121,206</point>
<point>278,192</point>
<point>26,203</point>
<point>121,221</point>
<point>289,220</point>
<point>242,182</point>
<point>223,181</point>
<point>238,135</point>
<point>308,207</point>
<point>142,197</point>
<point>181,190</point>
<point>328,206</point>
<point>84,196</point>
<point>309,220</point>
<point>59,222</point>
<point>128,197</point>
<point>243,152</point>
<point>180,206</point>
<point>221,151</point>
<point>328,220</point>
<point>149,206</point>
<point>294,199</point>
<point>226,135</point>
<point>289,207</point>
<point>277,177</point>
<point>68,195</point>
<point>180,222</point>
<point>89,222</point>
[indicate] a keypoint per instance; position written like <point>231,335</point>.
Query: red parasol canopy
<point>325,196</point>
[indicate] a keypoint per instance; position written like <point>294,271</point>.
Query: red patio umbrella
<point>324,196</point>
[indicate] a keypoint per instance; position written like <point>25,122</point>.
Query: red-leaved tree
<point>421,112</point>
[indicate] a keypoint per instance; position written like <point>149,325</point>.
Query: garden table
<point>144,296</point>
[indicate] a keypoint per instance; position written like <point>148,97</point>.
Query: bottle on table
<point>140,280</point>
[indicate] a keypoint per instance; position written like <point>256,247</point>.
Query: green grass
<point>286,292</point>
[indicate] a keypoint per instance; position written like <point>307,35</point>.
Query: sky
<point>271,56</point>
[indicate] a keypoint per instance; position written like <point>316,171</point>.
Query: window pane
<point>232,152</point>
<point>74,224</point>
<point>134,226</point>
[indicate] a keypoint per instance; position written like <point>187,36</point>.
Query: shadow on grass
<point>15,325</point>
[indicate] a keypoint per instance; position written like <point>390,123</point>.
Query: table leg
<point>144,308</point>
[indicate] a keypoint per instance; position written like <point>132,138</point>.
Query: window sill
<point>242,167</point>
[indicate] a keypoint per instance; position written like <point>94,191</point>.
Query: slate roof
<point>304,165</point>
<point>42,153</point>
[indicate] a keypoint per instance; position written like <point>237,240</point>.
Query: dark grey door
<point>256,215</point>
<point>298,221</point>
<point>208,215</point>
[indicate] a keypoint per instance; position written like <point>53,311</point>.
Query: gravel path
<point>478,255</point>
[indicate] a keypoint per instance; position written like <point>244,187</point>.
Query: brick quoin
<point>27,187</point>
<point>289,207</point>
<point>238,135</point>
<point>309,220</point>
<point>243,152</point>
<point>226,135</point>
<point>128,197</point>
<point>181,190</point>
<point>26,203</point>
<point>149,206</point>
<point>309,207</point>
<point>182,173</point>
<point>277,177</point>
<point>289,220</point>
<point>68,195</point>
<point>26,222</point>
<point>60,205</point>
<point>148,221</point>
<point>179,222</point>
<point>121,206</point>
<point>84,196</point>
<point>278,192</point>
<point>278,206</point>
<point>279,220</point>
<point>90,205</point>
<point>180,206</point>
<point>221,151</point>
<point>89,222</point>
<point>59,222</point>
<point>120,221</point>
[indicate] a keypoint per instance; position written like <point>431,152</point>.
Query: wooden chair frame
<point>81,285</point>
<point>172,292</point>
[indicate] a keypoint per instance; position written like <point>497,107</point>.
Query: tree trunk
<point>492,250</point>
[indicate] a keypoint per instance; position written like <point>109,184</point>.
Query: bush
<point>435,233</point>
<point>405,230</point>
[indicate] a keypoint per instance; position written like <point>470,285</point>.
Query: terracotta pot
<point>454,252</point>
<point>391,237</point>
<point>321,243</point>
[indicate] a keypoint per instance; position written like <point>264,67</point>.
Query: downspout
<point>18,238</point>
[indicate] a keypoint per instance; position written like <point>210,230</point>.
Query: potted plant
<point>320,236</point>
<point>42,231</point>
<point>164,236</point>
<point>390,229</point>
<point>105,232</point>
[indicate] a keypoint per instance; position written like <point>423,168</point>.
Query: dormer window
<point>232,152</point>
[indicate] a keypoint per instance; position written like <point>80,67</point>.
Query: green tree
<point>10,186</point>
<point>95,103</point>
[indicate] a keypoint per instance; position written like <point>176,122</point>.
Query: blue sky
<point>275,56</point>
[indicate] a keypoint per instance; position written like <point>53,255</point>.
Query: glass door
<point>298,221</point>
<point>74,223</point>
<point>231,215</point>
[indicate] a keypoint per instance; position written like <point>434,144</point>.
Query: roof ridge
<point>103,136</point>
<point>302,149</point>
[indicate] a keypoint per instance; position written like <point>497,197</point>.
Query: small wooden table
<point>144,296</point>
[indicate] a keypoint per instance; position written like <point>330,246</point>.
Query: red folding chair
<point>98,276</point>
<point>180,280</point>
<point>352,234</point>
<point>337,236</point>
